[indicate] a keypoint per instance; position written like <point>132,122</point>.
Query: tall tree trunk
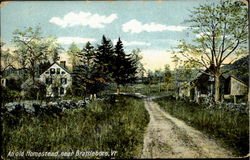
<point>217,88</point>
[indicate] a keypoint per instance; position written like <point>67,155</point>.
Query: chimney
<point>63,64</point>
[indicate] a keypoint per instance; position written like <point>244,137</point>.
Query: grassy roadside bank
<point>100,126</point>
<point>231,128</point>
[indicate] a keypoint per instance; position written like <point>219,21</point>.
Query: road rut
<point>169,137</point>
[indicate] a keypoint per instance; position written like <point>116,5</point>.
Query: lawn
<point>231,128</point>
<point>102,125</point>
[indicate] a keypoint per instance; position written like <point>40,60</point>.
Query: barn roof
<point>242,79</point>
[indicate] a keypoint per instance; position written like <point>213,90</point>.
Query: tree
<point>167,76</point>
<point>88,54</point>
<point>149,77</point>
<point>7,59</point>
<point>55,52</point>
<point>185,70</point>
<point>73,51</point>
<point>42,66</point>
<point>33,89</point>
<point>32,48</point>
<point>137,57</point>
<point>221,31</point>
<point>124,66</point>
<point>104,59</point>
<point>86,79</point>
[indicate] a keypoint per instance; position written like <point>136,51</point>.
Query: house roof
<point>205,73</point>
<point>242,79</point>
<point>58,65</point>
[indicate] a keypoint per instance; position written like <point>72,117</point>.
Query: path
<point>169,137</point>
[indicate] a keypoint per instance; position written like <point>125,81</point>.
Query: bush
<point>33,90</point>
<point>9,95</point>
<point>14,83</point>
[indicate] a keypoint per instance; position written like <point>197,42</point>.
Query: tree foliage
<point>85,74</point>
<point>73,51</point>
<point>33,90</point>
<point>7,59</point>
<point>32,48</point>
<point>135,53</point>
<point>99,66</point>
<point>124,66</point>
<point>55,52</point>
<point>167,75</point>
<point>221,31</point>
<point>104,58</point>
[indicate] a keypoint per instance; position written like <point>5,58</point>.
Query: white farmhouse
<point>57,78</point>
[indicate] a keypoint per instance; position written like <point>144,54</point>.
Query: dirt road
<point>169,137</point>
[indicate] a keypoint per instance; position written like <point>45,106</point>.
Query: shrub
<point>33,90</point>
<point>14,83</point>
<point>8,95</point>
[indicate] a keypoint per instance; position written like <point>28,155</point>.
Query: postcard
<point>125,79</point>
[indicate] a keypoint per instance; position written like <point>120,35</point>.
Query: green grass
<point>100,126</point>
<point>148,90</point>
<point>231,128</point>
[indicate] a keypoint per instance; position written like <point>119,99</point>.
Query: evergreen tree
<point>88,54</point>
<point>86,79</point>
<point>124,66</point>
<point>105,64</point>
<point>104,59</point>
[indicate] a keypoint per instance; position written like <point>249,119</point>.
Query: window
<point>48,80</point>
<point>52,70</point>
<point>61,91</point>
<point>58,71</point>
<point>63,72</point>
<point>47,72</point>
<point>55,91</point>
<point>63,80</point>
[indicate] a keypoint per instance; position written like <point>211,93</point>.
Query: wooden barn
<point>236,87</point>
<point>205,84</point>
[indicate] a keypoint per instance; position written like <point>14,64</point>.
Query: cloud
<point>83,19</point>
<point>133,43</point>
<point>135,26</point>
<point>77,40</point>
<point>136,43</point>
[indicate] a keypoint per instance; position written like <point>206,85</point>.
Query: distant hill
<point>243,62</point>
<point>239,69</point>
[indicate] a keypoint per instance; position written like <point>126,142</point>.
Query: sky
<point>152,26</point>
